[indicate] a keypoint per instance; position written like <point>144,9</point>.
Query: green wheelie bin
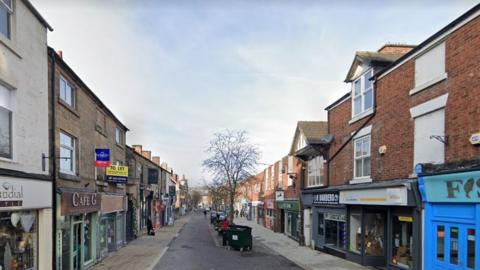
<point>240,237</point>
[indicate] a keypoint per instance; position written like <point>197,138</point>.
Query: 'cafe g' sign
<point>80,202</point>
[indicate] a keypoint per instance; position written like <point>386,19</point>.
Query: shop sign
<point>117,174</point>
<point>381,196</point>
<point>113,203</point>
<point>102,158</point>
<point>79,202</point>
<point>335,217</point>
<point>289,205</point>
<point>152,176</point>
<point>328,198</point>
<point>454,187</point>
<point>405,219</point>
<point>279,196</point>
<point>270,204</point>
<point>24,194</point>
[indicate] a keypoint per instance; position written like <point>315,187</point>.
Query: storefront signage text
<point>336,217</point>
<point>117,174</point>
<point>292,205</point>
<point>79,202</point>
<point>457,187</point>
<point>330,198</point>
<point>380,196</point>
<point>11,195</point>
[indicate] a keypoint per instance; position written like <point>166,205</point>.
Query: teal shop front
<point>452,220</point>
<point>290,215</point>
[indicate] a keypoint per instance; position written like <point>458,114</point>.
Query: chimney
<point>147,154</point>
<point>392,48</point>
<point>137,148</point>
<point>156,160</point>
<point>60,53</point>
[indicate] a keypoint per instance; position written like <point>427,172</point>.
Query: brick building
<point>90,209</point>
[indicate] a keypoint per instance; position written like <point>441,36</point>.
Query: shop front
<point>111,229</point>
<point>328,221</point>
<point>384,224</point>
<point>77,223</point>
<point>23,222</point>
<point>270,214</point>
<point>290,212</point>
<point>452,220</point>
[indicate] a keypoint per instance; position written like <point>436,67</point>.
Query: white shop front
<point>25,223</point>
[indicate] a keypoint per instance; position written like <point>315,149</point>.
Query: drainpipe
<point>53,158</point>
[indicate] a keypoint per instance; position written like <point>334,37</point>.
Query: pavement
<point>198,247</point>
<point>145,251</point>
<point>305,257</point>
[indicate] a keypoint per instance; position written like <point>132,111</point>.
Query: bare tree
<point>231,158</point>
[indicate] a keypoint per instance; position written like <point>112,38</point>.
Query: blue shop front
<point>452,219</point>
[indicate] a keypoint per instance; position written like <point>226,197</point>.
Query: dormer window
<point>362,94</point>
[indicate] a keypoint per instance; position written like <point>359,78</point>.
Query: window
<point>362,157</point>
<point>266,178</point>
<point>374,234</point>
<point>427,148</point>
<point>471,248</point>
<point>402,241</point>
<point>101,125</point>
<point>67,153</point>
<point>6,11</point>
<point>315,171</point>
<point>362,93</point>
<point>5,123</point>
<point>321,225</point>
<point>355,233</point>
<point>66,92</point>
<point>454,242</point>
<point>87,238</point>
<point>272,177</point>
<point>118,136</point>
<point>441,243</point>
<point>301,143</point>
<point>335,230</point>
<point>430,67</point>
<point>290,170</point>
<point>5,133</point>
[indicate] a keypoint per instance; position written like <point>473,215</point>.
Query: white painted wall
<point>24,70</point>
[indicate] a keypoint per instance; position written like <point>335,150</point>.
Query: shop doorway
<point>282,221</point>
<point>77,244</point>
<point>129,221</point>
<point>454,246</point>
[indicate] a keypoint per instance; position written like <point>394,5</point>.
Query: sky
<point>175,72</point>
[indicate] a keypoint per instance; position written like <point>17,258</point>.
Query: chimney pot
<point>137,148</point>
<point>147,154</point>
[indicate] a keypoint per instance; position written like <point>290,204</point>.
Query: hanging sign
<point>102,158</point>
<point>117,174</point>
<point>279,196</point>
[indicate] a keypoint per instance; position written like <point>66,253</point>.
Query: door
<point>454,246</point>
<point>77,246</point>
<point>374,238</point>
<point>129,221</point>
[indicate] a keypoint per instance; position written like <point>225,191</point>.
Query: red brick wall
<point>392,124</point>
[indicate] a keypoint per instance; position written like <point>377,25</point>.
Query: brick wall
<point>392,124</point>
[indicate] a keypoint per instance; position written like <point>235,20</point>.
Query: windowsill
<point>8,160</point>
<point>119,145</point>
<point>360,180</point>
<point>360,116</point>
<point>315,186</point>
<point>69,176</point>
<point>10,45</point>
<point>68,107</point>
<point>428,84</point>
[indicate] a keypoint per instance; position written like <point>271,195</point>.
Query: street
<point>196,248</point>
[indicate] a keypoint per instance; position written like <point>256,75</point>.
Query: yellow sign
<point>115,170</point>
<point>405,219</point>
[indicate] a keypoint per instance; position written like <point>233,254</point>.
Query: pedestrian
<point>205,213</point>
<point>236,213</point>
<point>150,227</point>
<point>225,225</point>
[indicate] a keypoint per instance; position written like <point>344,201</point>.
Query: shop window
<point>454,245</point>
<point>402,241</point>
<point>374,234</point>
<point>18,240</point>
<point>335,230</point>
<point>65,238</point>
<point>321,225</point>
<point>355,233</point>
<point>441,243</point>
<point>471,248</point>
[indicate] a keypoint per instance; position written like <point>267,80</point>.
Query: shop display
<point>374,234</point>
<point>402,241</point>
<point>18,240</point>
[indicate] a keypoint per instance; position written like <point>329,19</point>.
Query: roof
<point>96,99</point>
<point>430,39</point>
<point>371,58</point>
<point>37,14</point>
<point>312,130</point>
<point>338,101</point>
